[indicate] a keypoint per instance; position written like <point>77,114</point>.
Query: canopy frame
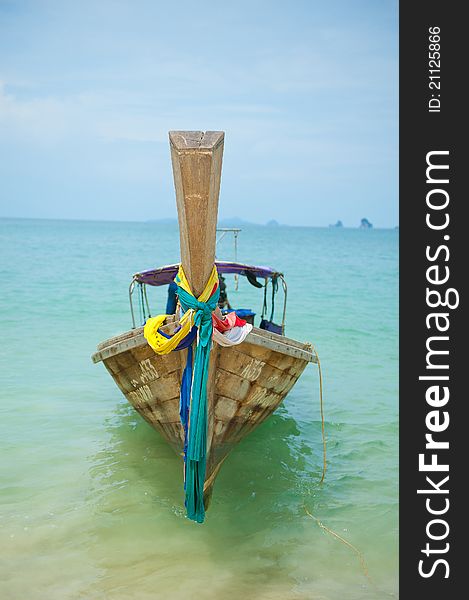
<point>164,276</point>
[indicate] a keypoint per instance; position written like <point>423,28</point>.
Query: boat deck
<point>259,337</point>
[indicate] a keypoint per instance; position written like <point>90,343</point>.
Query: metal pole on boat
<point>197,160</point>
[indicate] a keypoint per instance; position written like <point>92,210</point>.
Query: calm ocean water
<point>91,497</point>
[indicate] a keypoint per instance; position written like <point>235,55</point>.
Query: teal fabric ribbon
<point>197,435</point>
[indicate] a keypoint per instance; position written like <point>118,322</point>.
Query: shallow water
<point>92,497</point>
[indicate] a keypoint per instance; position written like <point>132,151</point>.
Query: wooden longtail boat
<point>246,382</point>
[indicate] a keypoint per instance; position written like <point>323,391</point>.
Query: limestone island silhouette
<point>365,224</point>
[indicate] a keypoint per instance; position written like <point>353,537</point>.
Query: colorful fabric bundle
<point>227,322</point>
<point>232,337</point>
<point>196,380</point>
<point>198,319</point>
<point>161,343</point>
<point>229,331</point>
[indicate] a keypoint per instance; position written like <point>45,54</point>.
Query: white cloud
<point>98,116</point>
<point>37,119</point>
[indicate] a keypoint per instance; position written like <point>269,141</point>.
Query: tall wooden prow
<point>197,160</point>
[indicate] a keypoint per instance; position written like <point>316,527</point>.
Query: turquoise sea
<point>91,497</point>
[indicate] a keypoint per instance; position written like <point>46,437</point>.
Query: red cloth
<point>228,322</point>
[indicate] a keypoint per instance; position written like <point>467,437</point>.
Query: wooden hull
<point>246,383</point>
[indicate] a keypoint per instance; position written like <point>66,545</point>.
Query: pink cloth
<point>228,322</point>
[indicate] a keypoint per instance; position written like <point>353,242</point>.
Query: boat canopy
<point>164,275</point>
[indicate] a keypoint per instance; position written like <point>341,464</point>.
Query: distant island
<point>240,223</point>
<point>365,224</point>
<point>227,222</point>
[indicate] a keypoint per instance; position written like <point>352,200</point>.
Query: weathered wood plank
<point>225,408</point>
<point>197,163</point>
<point>230,384</point>
<point>258,337</point>
<point>281,338</point>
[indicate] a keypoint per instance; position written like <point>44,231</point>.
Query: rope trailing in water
<point>361,558</point>
<point>334,534</point>
<point>321,406</point>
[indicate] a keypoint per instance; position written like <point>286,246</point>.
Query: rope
<point>323,428</point>
<point>331,532</point>
<point>264,306</point>
<point>146,299</point>
<point>140,303</point>
<point>361,558</point>
<point>274,291</point>
<point>359,554</point>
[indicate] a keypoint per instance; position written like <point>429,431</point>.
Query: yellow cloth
<point>163,345</point>
<point>182,282</point>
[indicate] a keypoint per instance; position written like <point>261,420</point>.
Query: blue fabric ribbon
<point>185,398</point>
<point>185,342</point>
<point>194,395</point>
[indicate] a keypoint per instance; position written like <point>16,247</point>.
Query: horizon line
<point>155,221</point>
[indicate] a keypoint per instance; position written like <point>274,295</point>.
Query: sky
<point>306,92</point>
